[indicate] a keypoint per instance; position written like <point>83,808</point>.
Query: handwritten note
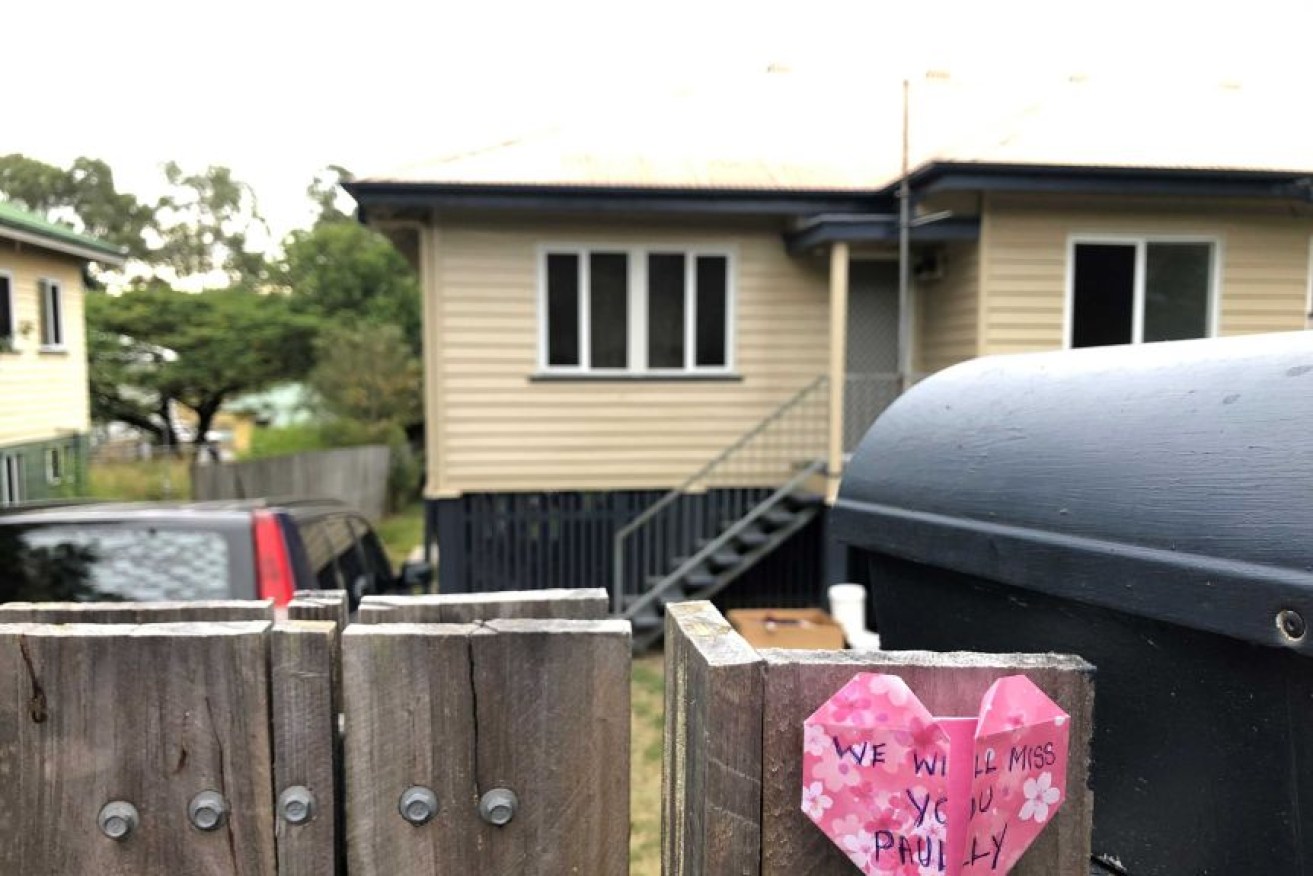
<point>903,792</point>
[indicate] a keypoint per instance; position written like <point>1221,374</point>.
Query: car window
<point>90,561</point>
<point>319,552</point>
<point>376,559</point>
<point>350,563</point>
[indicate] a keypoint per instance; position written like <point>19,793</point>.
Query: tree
<point>345,274</point>
<point>154,345</point>
<point>84,192</point>
<point>368,375</point>
<point>208,222</point>
<point>326,193</point>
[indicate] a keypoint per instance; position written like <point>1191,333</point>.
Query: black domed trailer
<point>1149,508</point>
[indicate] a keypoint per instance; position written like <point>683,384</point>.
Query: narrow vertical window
<point>52,314</point>
<point>563,309</point>
<point>712,304</point>
<point>55,466</point>
<point>665,310</point>
<point>608,275</point>
<point>8,327</point>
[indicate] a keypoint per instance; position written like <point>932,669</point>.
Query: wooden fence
<point>464,734</point>
<point>357,476</point>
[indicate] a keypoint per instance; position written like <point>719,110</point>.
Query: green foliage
<point>147,480</point>
<point>206,222</point>
<point>154,343</point>
<point>85,189</point>
<point>347,274</point>
<point>281,440</point>
<point>326,193</point>
<point>367,375</point>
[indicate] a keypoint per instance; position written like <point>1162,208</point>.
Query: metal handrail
<point>617,582</point>
<point>725,537</point>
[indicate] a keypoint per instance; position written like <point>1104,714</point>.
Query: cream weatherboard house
<point>649,346</point>
<point>44,404</point>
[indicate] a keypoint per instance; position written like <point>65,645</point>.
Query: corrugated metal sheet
<point>791,132</point>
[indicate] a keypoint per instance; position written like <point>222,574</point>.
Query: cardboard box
<point>808,628</point>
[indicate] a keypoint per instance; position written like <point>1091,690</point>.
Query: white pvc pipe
<point>848,608</point>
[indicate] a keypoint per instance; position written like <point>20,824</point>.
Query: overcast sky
<point>277,89</point>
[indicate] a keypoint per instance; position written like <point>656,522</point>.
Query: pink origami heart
<point>900,791</point>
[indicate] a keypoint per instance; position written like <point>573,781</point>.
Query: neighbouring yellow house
<point>44,403</point>
<point>650,341</point>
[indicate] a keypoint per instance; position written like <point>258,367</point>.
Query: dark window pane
<point>665,310</point>
<point>712,284</point>
<point>6,310</point>
<point>562,309</point>
<point>609,317</point>
<point>1176,281</point>
<point>1103,297</point>
<point>56,315</point>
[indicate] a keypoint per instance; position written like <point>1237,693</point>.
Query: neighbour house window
<point>622,310</point>
<point>1139,291</point>
<point>52,314</point>
<point>54,465</point>
<point>8,319</point>
<point>11,478</point>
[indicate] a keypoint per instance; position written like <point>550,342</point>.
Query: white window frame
<point>49,290</point>
<point>637,309</point>
<point>12,328</point>
<point>11,479</point>
<point>1141,243</point>
<point>56,457</point>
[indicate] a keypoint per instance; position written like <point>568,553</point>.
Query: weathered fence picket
<point>307,755</point>
<point>465,608</point>
<point>151,715</point>
<point>539,707</point>
<point>136,612</point>
<point>734,736</point>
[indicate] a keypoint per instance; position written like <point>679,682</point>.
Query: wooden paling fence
<point>465,734</point>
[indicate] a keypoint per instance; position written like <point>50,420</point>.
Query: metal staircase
<point>726,517</point>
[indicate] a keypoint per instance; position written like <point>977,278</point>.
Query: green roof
<point>58,237</point>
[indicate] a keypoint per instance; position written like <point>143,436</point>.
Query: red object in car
<point>272,563</point>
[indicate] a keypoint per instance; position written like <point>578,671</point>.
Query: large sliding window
<point>1131,291</point>
<point>628,310</point>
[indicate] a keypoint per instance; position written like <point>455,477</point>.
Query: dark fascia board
<point>609,199</point>
<point>880,231</point>
<point>1177,182</point>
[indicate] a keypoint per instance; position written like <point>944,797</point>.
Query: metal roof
<point>787,132</point>
<point>27,227</point>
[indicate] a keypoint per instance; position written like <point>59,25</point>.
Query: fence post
<point>712,768</point>
<point>539,707</point>
<point>149,716</point>
<point>734,719</point>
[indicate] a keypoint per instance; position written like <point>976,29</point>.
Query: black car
<point>247,549</point>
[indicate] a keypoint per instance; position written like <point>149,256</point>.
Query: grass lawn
<point>402,531</point>
<point>648,706</point>
<point>147,480</point>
